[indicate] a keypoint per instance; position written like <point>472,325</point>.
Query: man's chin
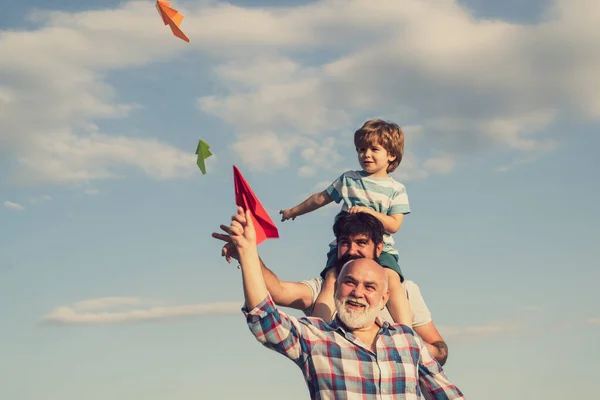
<point>352,318</point>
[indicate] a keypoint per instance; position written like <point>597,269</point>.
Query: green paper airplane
<point>203,154</point>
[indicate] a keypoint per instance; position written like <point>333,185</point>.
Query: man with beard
<point>359,235</point>
<point>357,355</point>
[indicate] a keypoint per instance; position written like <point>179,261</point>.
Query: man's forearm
<point>255,289</point>
<point>439,350</point>
<point>271,280</point>
<point>287,294</point>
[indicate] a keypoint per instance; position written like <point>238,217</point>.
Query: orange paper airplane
<point>171,17</point>
<point>245,198</point>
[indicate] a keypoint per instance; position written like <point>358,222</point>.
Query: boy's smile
<point>374,159</point>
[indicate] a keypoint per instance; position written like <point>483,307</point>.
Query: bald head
<point>367,268</point>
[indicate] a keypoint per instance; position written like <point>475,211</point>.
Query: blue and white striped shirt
<point>384,195</point>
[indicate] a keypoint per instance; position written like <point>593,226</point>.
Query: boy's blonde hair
<point>386,134</point>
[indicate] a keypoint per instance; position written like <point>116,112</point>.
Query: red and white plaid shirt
<point>337,365</point>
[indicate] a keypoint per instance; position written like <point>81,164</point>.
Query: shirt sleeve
<point>399,202</point>
<point>315,285</point>
<point>421,313</point>
<point>278,331</point>
<point>432,379</point>
<point>335,189</point>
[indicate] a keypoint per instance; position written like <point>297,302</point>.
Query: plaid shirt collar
<point>340,327</point>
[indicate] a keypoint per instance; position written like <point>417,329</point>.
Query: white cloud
<point>439,165</point>
<point>13,206</point>
<point>300,75</point>
<point>59,70</point>
<point>593,321</point>
<point>265,151</point>
<point>41,199</point>
<point>95,311</point>
<point>96,156</point>
<point>489,85</point>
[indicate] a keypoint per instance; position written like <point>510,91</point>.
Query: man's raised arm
<point>284,293</point>
<point>243,237</point>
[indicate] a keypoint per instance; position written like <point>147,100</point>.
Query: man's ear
<point>385,298</point>
<point>379,249</point>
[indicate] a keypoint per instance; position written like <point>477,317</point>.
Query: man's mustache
<point>347,257</point>
<point>355,300</point>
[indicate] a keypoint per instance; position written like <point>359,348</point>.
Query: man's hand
<point>228,251</point>
<point>287,214</point>
<point>357,209</point>
<point>241,231</point>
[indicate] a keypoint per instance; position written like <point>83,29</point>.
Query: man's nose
<point>358,292</point>
<point>353,249</point>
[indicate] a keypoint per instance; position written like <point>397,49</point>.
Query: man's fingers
<point>236,228</point>
<point>221,236</point>
<point>226,251</point>
<point>249,221</point>
<point>241,219</point>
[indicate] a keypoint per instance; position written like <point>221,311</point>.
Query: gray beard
<point>355,320</point>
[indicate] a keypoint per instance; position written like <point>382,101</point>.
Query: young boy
<point>380,146</point>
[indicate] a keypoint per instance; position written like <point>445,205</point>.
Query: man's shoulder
<point>410,286</point>
<point>315,285</point>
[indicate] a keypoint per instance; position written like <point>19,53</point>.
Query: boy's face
<point>374,158</point>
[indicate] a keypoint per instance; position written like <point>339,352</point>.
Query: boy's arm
<point>391,223</point>
<point>398,208</point>
<point>314,202</point>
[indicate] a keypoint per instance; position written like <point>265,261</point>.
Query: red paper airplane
<point>245,198</point>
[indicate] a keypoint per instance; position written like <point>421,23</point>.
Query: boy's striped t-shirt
<point>384,195</point>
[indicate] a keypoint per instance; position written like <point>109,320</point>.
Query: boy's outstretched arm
<point>391,223</point>
<point>314,202</point>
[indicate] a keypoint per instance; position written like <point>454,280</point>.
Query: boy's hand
<point>287,214</point>
<point>241,231</point>
<point>357,209</point>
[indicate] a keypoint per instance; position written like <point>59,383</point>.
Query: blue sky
<point>105,217</point>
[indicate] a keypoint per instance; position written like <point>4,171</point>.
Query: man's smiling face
<point>361,292</point>
<point>357,246</point>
